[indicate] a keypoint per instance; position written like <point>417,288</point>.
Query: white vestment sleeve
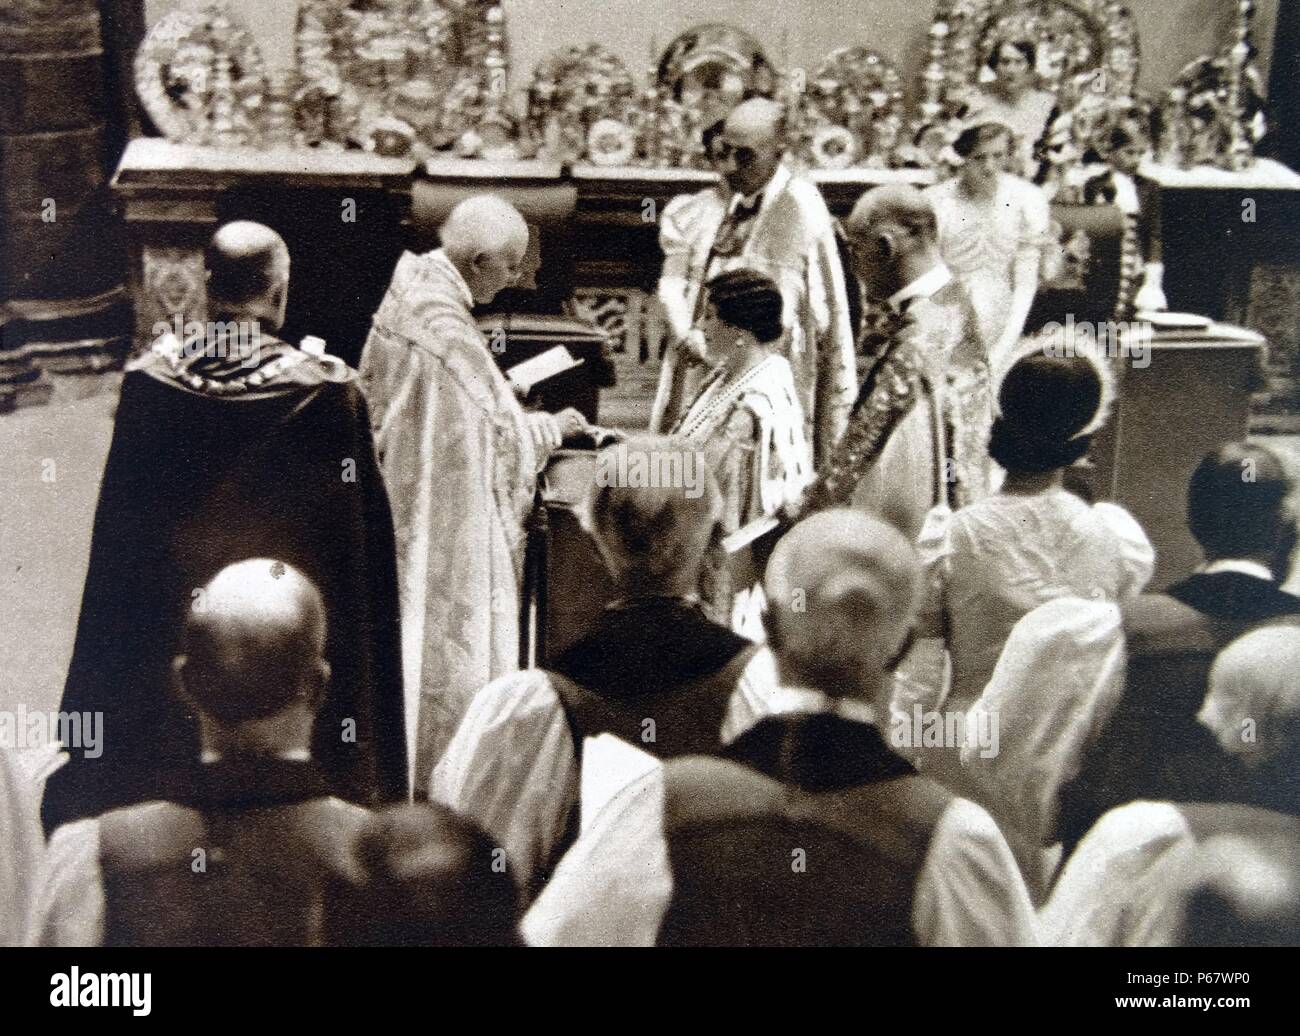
<point>753,697</point>
<point>510,767</point>
<point>1102,885</point>
<point>21,847</point>
<point>613,887</point>
<point>970,891</point>
<point>70,893</point>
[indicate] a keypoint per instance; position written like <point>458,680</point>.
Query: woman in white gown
<point>1012,100</point>
<point>747,420</point>
<point>1033,541</point>
<point>993,227</point>
<point>992,230</point>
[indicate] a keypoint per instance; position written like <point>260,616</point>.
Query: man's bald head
<point>757,119</point>
<point>893,236</point>
<point>843,589</point>
<point>248,270</point>
<point>254,642</point>
<point>486,239</point>
<point>751,144</point>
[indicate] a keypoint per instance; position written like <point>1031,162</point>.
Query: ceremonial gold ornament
<point>611,143</point>
<point>191,71</point>
<point>834,147</point>
<point>711,68</point>
<point>1214,112</point>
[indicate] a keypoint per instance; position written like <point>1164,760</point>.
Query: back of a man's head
<point>430,878</point>
<point>254,643</point>
<point>248,266</point>
<point>1237,503</point>
<point>895,205</point>
<point>653,511</point>
<point>481,223</point>
<point>1253,703</point>
<point>843,589</point>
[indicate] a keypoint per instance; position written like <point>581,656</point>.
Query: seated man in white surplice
<point>654,670</point>
<point>460,457</point>
<point>1137,876</point>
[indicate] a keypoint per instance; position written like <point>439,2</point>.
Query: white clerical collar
<point>293,755</point>
<point>934,279</point>
<point>773,187</point>
<point>440,258</point>
<point>807,699</point>
<point>1244,566</point>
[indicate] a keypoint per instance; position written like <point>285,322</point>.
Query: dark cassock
<point>212,462</point>
<point>1152,745</point>
<point>287,854</point>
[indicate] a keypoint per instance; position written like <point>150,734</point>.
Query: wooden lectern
<point>1191,397</point>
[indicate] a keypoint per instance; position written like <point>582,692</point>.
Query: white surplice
<point>615,885</point>
<point>1058,679</point>
<point>512,766</point>
<point>460,467</point>
<point>1131,878</point>
<point>21,848</point>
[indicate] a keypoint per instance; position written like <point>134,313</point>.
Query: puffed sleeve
<point>1137,557</point>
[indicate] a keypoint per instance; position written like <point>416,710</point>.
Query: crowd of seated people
<point>665,781</point>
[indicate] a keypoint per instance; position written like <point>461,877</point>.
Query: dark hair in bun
<point>749,301</point>
<point>1045,403</point>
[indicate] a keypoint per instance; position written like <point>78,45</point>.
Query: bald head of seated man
<point>247,848</point>
<point>654,669</point>
<point>699,851</point>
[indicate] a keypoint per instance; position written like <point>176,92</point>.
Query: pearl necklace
<point>716,401</point>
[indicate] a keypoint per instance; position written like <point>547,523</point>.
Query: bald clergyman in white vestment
<point>765,218</point>
<point>460,457</point>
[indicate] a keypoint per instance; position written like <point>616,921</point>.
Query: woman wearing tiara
<point>747,420</point>
<point>1032,541</point>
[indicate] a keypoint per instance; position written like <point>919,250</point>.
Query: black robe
<point>198,480</point>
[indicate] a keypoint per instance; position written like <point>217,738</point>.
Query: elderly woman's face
<point>1012,67</point>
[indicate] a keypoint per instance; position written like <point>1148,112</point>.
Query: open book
<point>524,376</point>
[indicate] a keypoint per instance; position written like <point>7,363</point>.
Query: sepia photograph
<point>733,474</point>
